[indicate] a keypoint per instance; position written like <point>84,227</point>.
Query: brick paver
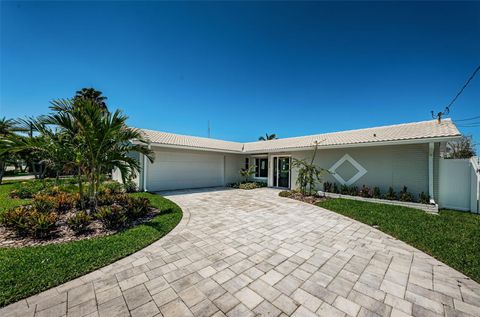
<point>252,253</point>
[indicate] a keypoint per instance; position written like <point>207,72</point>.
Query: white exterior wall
<point>181,169</point>
<point>117,176</point>
<point>394,165</point>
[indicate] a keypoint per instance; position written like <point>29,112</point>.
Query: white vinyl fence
<point>459,184</point>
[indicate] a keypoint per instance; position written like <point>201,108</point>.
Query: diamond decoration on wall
<point>347,158</point>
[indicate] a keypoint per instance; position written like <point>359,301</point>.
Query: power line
<point>473,125</point>
<point>446,111</point>
<point>468,119</point>
<point>463,88</point>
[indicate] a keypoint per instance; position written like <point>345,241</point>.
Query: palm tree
<point>268,137</point>
<point>92,94</point>
<point>7,126</point>
<point>100,141</point>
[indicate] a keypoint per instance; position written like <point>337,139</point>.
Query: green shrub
<point>327,187</point>
<point>112,217</point>
<point>137,207</point>
<point>59,201</point>
<point>365,191</point>
<point>41,225</point>
<point>335,188</point>
<point>130,186</point>
<point>25,190</point>
<point>423,198</point>
<point>42,203</point>
<point>27,220</point>
<point>15,218</point>
<point>376,193</point>
<point>285,193</point>
<point>248,186</point>
<point>344,190</point>
<point>79,222</point>
<point>111,187</point>
<point>404,195</point>
<point>353,191</point>
<point>390,194</point>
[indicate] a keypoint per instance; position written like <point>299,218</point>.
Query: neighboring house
<point>397,155</point>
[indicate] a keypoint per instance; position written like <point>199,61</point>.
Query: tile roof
<point>392,133</point>
<point>158,137</point>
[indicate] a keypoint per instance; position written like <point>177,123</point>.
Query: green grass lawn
<point>30,270</point>
<point>5,201</point>
<point>452,237</point>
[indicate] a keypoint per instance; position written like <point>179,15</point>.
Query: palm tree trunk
<point>2,170</point>
<point>80,190</point>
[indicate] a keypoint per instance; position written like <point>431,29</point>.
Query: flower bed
<point>248,185</point>
<point>55,215</point>
<point>310,199</point>
<point>425,207</point>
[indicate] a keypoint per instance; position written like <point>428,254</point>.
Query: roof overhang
<point>305,148</point>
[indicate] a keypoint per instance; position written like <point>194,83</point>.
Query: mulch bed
<point>9,238</point>
<point>308,199</point>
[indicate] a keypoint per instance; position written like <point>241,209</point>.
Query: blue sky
<point>291,68</point>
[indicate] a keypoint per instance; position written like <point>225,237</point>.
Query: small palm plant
<point>247,173</point>
<point>268,137</point>
<point>308,173</point>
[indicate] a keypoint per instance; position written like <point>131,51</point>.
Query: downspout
<point>145,167</point>
<point>431,151</point>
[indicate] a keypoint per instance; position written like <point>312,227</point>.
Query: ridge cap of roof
<point>189,136</point>
<point>353,130</point>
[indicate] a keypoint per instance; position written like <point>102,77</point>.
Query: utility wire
<point>463,88</point>
<point>468,119</point>
<point>446,111</point>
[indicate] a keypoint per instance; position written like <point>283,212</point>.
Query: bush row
<point>368,192</point>
<point>248,185</point>
<point>41,218</point>
<point>24,190</point>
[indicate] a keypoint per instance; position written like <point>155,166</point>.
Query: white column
<point>431,150</point>
<point>145,168</point>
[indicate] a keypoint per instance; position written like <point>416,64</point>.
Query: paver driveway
<point>246,253</point>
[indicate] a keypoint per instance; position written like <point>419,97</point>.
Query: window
<point>261,167</point>
<point>246,163</point>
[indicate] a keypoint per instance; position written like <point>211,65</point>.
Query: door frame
<point>289,156</point>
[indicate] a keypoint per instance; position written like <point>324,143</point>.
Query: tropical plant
<point>247,173</point>
<point>423,198</point>
<point>7,129</point>
<point>268,137</point>
<point>100,141</point>
<point>89,142</point>
<point>285,193</point>
<point>79,222</point>
<point>344,190</point>
<point>376,192</point>
<point>390,194</point>
<point>113,217</point>
<point>460,149</point>
<point>405,195</point>
<point>93,95</point>
<point>365,191</point>
<point>327,187</point>
<point>335,188</point>
<point>308,173</point>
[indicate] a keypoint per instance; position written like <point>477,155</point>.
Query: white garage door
<point>177,169</point>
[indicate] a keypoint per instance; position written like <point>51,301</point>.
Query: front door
<point>281,171</point>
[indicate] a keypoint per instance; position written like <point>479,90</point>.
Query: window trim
<point>257,169</point>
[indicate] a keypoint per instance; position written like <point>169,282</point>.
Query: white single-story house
<point>388,156</point>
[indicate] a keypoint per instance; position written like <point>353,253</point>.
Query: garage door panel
<point>185,169</point>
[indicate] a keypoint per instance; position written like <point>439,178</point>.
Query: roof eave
<point>364,144</point>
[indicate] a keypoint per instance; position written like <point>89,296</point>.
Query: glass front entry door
<point>281,172</point>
